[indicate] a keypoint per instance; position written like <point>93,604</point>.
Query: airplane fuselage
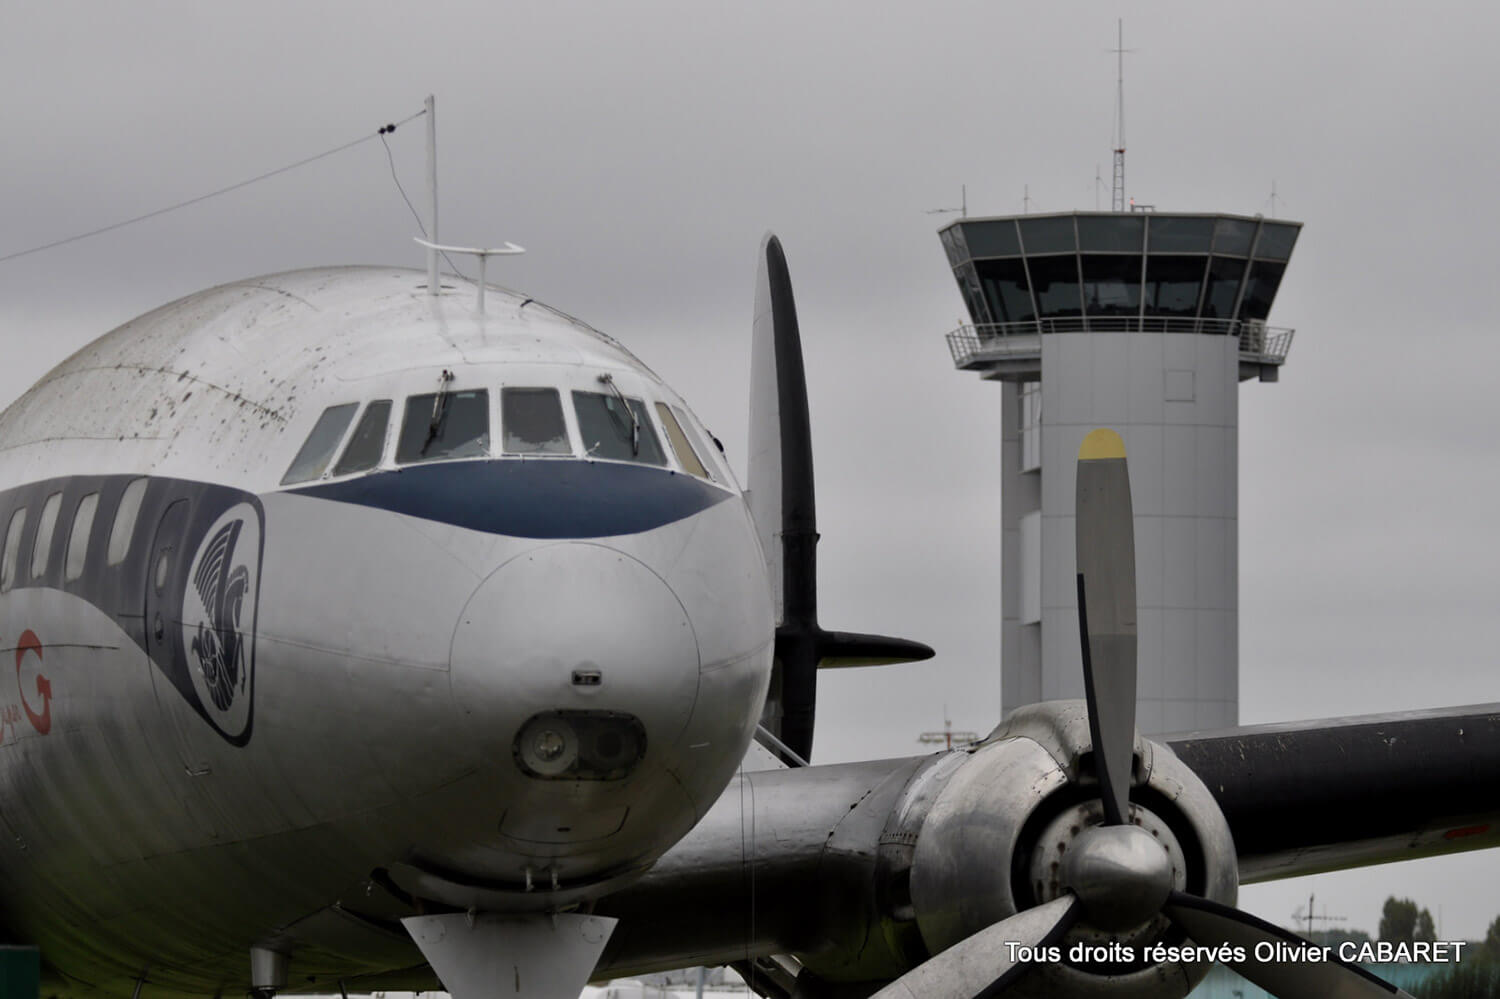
<point>319,589</point>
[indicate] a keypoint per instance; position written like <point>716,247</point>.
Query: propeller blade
<point>784,507</point>
<point>981,965</point>
<point>782,500</point>
<point>1106,611</point>
<point>1211,924</point>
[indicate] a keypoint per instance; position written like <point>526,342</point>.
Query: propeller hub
<point>1121,874</point>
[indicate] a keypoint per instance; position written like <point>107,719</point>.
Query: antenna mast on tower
<point>1117,197</point>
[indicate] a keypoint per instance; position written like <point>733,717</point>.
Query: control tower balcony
<point>1023,277</point>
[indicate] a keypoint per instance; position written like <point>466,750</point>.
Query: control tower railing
<point>1012,349</point>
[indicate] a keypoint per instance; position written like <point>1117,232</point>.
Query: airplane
<point>367,639</point>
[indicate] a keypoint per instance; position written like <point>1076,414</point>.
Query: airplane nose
<point>580,652</point>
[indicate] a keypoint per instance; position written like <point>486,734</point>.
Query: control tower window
<point>990,239</point>
<point>531,420</point>
<point>1170,234</point>
<point>1265,278</point>
<point>611,431</point>
<point>1224,274</point>
<point>950,247</point>
<point>320,445</point>
<point>1043,234</point>
<point>1115,233</point>
<point>1233,237</point>
<point>1173,284</point>
<point>1112,284</point>
<point>1006,290</point>
<point>442,425</point>
<point>368,443</point>
<point>1055,280</point>
<point>1275,241</point>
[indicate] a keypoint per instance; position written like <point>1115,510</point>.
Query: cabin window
<point>445,425</point>
<point>126,513</point>
<point>686,456</point>
<point>12,549</point>
<point>78,540</point>
<point>368,442</point>
<point>610,430</point>
<point>317,451</point>
<point>532,420</point>
<point>45,525</point>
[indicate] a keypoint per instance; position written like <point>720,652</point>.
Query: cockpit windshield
<point>445,425</point>
<point>368,443</point>
<point>353,438</point>
<point>686,457</point>
<point>532,420</point>
<point>320,445</point>
<point>612,431</point>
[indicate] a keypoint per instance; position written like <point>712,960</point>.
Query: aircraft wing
<point>825,862</point>
<point>1305,797</point>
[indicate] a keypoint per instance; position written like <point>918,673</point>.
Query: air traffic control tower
<point>1145,322</point>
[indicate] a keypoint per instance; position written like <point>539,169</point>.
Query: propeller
<point>1115,876</point>
<point>782,501</point>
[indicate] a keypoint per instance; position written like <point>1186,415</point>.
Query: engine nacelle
<point>993,840</point>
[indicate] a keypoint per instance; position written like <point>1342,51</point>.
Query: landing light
<point>580,745</point>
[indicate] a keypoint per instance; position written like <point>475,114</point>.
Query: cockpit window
<point>320,445</point>
<point>610,430</point>
<point>715,472</point>
<point>445,425</point>
<point>368,442</point>
<point>532,421</point>
<point>685,454</point>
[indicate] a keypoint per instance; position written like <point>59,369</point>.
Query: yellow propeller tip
<point>1101,443</point>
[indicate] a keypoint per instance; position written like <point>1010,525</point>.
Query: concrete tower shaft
<point>1144,323</point>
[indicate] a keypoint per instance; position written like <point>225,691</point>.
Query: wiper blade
<point>635,425</point>
<point>439,411</point>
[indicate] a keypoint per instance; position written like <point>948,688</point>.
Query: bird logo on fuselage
<point>220,644</point>
<point>219,598</point>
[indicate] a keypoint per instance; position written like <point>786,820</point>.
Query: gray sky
<point>639,151</point>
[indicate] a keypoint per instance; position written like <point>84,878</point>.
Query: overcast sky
<point>639,152</point>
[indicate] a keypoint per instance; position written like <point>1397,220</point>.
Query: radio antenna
<point>962,210</point>
<point>1117,196</point>
<point>432,204</point>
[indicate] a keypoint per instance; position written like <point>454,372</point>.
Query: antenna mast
<point>432,251</point>
<point>1299,917</point>
<point>1117,197</point>
<point>947,736</point>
